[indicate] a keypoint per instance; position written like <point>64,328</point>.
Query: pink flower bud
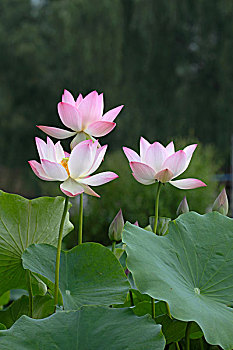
<point>183,207</point>
<point>116,227</point>
<point>221,203</point>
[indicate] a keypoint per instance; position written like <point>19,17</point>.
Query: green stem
<point>113,246</point>
<point>177,345</point>
<point>168,311</point>
<point>157,207</point>
<point>131,298</point>
<point>80,220</point>
<point>30,293</point>
<point>201,344</point>
<point>155,228</point>
<point>59,252</point>
<point>187,334</point>
<point>153,308</point>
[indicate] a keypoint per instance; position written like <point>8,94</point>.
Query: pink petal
<point>39,171</point>
<point>131,155</point>
<point>155,156</point>
<point>89,190</point>
<point>67,97</point>
<point>187,184</point>
<point>46,151</point>
<point>164,175</point>
<point>144,145</point>
<point>112,114</point>
<point>143,181</point>
<point>170,149</point>
<point>79,100</point>
<point>56,132</point>
<point>176,163</point>
<point>70,116</point>
<point>189,152</point>
<point>100,128</point>
<point>80,136</point>
<point>100,153</point>
<point>71,188</point>
<point>99,179</point>
<point>54,170</point>
<point>143,171</point>
<point>60,154</point>
<point>90,109</point>
<point>81,159</point>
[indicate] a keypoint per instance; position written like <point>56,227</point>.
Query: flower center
<point>64,163</point>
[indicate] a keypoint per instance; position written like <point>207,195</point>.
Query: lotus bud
<point>136,223</point>
<point>183,207</point>
<point>162,225</point>
<point>221,203</point>
<point>116,227</point>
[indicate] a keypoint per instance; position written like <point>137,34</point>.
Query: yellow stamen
<point>64,163</point>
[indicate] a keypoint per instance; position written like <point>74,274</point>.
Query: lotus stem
<point>187,334</point>
<point>168,311</point>
<point>30,295</point>
<point>80,220</point>
<point>157,207</point>
<point>131,298</point>
<point>177,345</point>
<point>113,246</point>
<point>153,308</point>
<point>56,287</point>
<point>155,229</point>
<point>201,344</point>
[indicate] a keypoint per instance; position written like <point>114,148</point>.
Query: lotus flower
<point>163,164</point>
<point>73,169</point>
<point>84,116</point>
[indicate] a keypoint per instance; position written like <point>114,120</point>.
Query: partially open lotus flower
<point>163,164</point>
<point>84,117</point>
<point>73,169</point>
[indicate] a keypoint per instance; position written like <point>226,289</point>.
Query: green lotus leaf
<point>23,222</point>
<point>4,299</point>
<point>43,306</point>
<point>191,268</point>
<point>89,273</point>
<point>89,328</point>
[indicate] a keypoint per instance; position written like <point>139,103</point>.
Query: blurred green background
<point>168,62</point>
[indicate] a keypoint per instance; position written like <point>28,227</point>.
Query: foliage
<point>190,269</point>
<point>89,328</point>
<point>22,223</point>
<point>89,265</point>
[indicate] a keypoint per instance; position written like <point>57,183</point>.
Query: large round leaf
<point>23,222</point>
<point>43,306</point>
<point>90,328</point>
<point>89,273</point>
<point>191,268</point>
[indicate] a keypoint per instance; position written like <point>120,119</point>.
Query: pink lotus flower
<point>159,163</point>
<point>73,169</point>
<point>84,116</point>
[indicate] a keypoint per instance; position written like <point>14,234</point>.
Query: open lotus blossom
<point>84,117</point>
<point>163,164</point>
<point>73,169</point>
